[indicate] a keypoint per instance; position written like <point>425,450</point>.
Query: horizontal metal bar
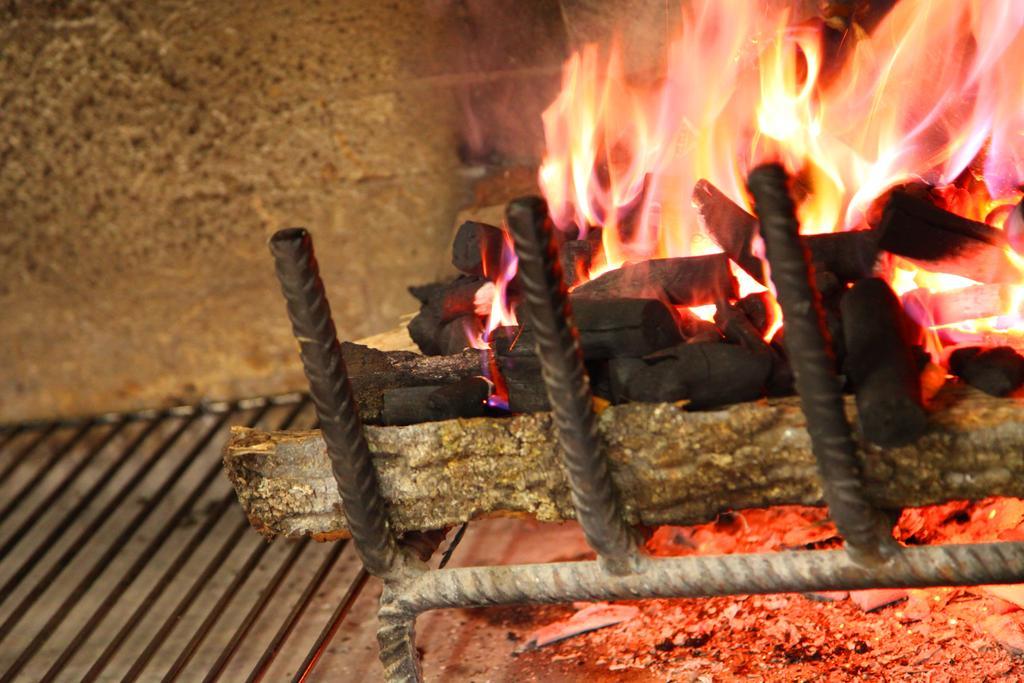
<point>701,576</point>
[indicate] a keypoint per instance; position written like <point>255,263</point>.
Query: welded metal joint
<point>364,507</point>
<point>546,304</point>
<point>868,536</point>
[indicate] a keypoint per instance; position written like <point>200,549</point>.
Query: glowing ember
<point>933,95</point>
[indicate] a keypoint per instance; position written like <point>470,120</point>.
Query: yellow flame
<point>933,92</point>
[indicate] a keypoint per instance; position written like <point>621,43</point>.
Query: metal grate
<point>123,555</point>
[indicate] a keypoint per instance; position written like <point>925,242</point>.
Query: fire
<point>933,95</point>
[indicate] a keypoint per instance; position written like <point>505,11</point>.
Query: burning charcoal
<point>782,381</point>
<point>407,405</point>
<point>424,293</point>
<point>610,328</point>
<point>702,332</point>
<point>957,305</point>
<point>757,309</point>
<point>729,225</point>
<point>997,371</point>
<point>683,281</point>
<point>524,383</point>
<point>465,398</point>
<point>942,241</point>
<point>850,256</point>
<point>880,365</point>
<point>454,335</point>
<point>576,257</point>
<point>442,303</point>
<point>738,329</point>
<point>459,298</point>
<point>424,330</point>
<point>476,249</point>
<point>827,283</point>
<point>1013,226</point>
<point>413,405</point>
<point>707,375</point>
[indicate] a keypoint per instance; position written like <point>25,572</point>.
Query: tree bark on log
<point>670,466</point>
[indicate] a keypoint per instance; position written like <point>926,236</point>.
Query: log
<point>944,242</point>
<point>682,281</point>
<point>881,366</point>
<point>670,466</point>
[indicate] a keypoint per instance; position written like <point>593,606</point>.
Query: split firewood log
<point>670,466</point>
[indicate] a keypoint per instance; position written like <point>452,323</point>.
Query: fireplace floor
<point>192,589</point>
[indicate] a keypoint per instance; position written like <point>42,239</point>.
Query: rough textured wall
<point>149,148</point>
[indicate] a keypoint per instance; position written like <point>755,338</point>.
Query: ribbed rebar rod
<point>342,430</point>
<point>546,304</point>
<point>694,576</point>
<point>806,340</point>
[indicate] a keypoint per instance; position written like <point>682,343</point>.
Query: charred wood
<point>413,405</point>
<point>576,257</point>
<point>958,305</point>
<point>997,371</point>
<point>941,241</point>
<point>670,466</point>
<point>682,281</point>
<point>731,227</point>
<point>881,366</point>
<point>373,372</point>
<point>849,256</point>
<point>705,375</point>
<point>610,328</point>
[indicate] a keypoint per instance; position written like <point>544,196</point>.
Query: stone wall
<point>149,149</point>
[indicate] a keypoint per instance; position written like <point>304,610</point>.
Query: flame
<point>933,94</point>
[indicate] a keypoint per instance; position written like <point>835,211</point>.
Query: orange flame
<point>933,92</point>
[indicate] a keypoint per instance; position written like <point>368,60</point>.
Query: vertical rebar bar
<point>864,530</point>
<point>546,304</point>
<point>351,462</point>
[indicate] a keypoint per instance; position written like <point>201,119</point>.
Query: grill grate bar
<point>26,451</point>
<point>58,492</point>
<point>98,622</point>
<point>104,515</point>
<point>43,471</point>
<point>255,611</point>
<point>215,613</point>
<point>100,566</point>
<point>144,607</point>
<point>9,434</point>
<point>211,569</point>
<point>147,555</point>
<point>274,647</point>
<point>331,627</point>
